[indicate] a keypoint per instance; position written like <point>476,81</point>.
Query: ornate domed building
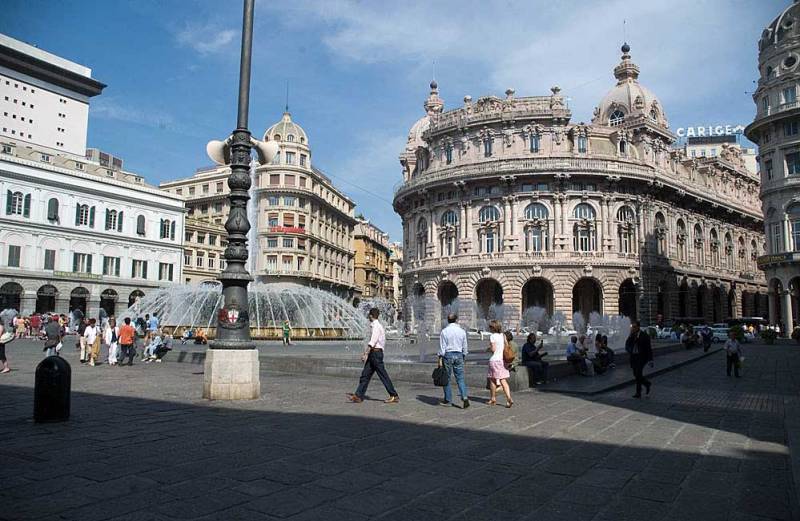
<point>776,130</point>
<point>507,205</point>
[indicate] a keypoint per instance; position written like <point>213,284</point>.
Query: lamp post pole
<point>233,331</point>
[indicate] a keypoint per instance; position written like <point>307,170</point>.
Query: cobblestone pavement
<point>142,445</point>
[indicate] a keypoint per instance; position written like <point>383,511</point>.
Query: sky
<point>358,71</point>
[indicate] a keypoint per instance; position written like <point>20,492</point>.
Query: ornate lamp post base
<point>231,374</point>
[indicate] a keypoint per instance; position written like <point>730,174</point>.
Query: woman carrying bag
<point>92,336</point>
<point>111,339</point>
<point>498,374</point>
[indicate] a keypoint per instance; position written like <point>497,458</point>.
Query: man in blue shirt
<point>452,353</point>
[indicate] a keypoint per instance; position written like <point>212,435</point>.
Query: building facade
<point>203,249</point>
<point>302,224</point>
<point>373,272</point>
<point>776,130</point>
<point>711,146</point>
<point>396,262</point>
<point>76,232</point>
<point>507,205</point>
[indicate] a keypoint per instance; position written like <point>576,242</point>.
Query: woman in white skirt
<point>110,338</point>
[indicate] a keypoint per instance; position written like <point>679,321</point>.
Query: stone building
<point>396,263</point>
<point>203,248</point>
<point>507,205</point>
<point>776,130</point>
<point>76,231</point>
<point>302,224</point>
<point>373,275</point>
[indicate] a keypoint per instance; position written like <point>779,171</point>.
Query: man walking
<point>453,353</point>
<point>127,342</point>
<point>373,362</point>
<point>638,347</point>
<point>53,332</point>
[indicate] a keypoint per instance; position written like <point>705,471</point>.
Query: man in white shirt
<point>373,362</point>
<point>453,353</point>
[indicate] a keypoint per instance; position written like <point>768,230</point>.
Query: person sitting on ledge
<point>532,358</point>
<point>575,356</point>
<point>187,335</point>
<point>201,337</point>
<point>606,355</point>
<point>163,349</point>
<point>155,343</point>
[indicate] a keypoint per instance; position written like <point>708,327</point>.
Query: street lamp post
<point>231,366</point>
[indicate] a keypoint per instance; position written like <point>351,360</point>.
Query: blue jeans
<point>454,363</point>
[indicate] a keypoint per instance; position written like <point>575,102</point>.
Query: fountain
<point>313,313</point>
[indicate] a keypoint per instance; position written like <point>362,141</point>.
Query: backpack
<point>508,352</point>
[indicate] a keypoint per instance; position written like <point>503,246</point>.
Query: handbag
<point>508,353</point>
<point>439,376</point>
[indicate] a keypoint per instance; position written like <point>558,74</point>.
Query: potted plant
<point>769,335</point>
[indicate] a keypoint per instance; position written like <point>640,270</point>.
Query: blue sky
<point>359,70</point>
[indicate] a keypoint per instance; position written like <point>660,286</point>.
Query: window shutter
<point>89,264</point>
<point>8,202</point>
<point>171,266</point>
<point>119,223</point>
<point>116,267</point>
<point>140,225</point>
<point>133,268</point>
<point>161,229</point>
<point>26,208</point>
<point>107,222</point>
<point>77,215</point>
<point>144,269</point>
<point>74,262</point>
<point>172,231</point>
<point>91,217</point>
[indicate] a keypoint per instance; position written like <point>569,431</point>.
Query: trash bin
<point>51,393</point>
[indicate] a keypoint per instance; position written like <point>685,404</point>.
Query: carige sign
<point>711,130</point>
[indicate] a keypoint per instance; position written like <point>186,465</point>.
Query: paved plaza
<point>142,445</point>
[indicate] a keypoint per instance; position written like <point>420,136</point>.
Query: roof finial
<point>287,96</point>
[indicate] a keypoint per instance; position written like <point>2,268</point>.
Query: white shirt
<point>377,339</point>
<point>572,349</point>
<point>498,341</point>
<point>90,334</point>
<point>108,334</point>
<point>453,340</point>
<point>732,347</point>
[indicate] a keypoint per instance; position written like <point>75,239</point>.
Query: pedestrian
<point>53,332</point>
<point>111,339</point>
<point>82,339</point>
<point>498,374</point>
<point>707,337</point>
<point>638,347</point>
<point>5,337</point>
<point>127,341</point>
<point>93,339</point>
<point>152,327</point>
<point>373,362</point>
<point>532,357</point>
<point>734,351</point>
<point>453,352</point>
<point>20,327</point>
<point>287,333</point>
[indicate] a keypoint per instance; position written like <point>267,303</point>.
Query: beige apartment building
<point>203,247</point>
<point>373,272</point>
<point>302,224</point>
<point>507,206</point>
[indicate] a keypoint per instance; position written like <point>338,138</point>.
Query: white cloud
<point>205,39</point>
<point>110,108</point>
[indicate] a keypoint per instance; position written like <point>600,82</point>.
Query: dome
<point>415,134</point>
<point>286,130</point>
<point>786,24</point>
<point>628,98</point>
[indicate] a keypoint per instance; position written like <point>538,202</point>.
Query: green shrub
<point>739,331</point>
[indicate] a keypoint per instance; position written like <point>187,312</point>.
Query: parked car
<point>477,334</point>
<point>719,334</point>
<point>561,330</point>
<point>665,333</point>
<point>749,337</point>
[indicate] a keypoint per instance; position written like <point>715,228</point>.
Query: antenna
<point>624,30</point>
<point>287,96</point>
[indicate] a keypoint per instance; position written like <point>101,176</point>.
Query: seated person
<point>532,358</point>
<point>576,356</point>
<point>150,350</point>
<point>187,335</point>
<point>201,337</point>
<point>163,349</point>
<point>605,355</point>
<point>686,339</point>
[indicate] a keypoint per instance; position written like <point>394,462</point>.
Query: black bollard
<point>51,393</point>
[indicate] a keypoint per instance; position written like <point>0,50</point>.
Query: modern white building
<point>75,233</point>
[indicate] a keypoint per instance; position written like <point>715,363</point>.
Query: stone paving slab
<point>142,445</point>
<point>622,376</point>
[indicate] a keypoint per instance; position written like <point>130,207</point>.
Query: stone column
<point>557,215</point>
<point>788,319</point>
<point>506,233</point>
<point>27,303</point>
<point>601,233</point>
<point>463,221</point>
<point>62,304</point>
<point>773,313</point>
<point>434,234</point>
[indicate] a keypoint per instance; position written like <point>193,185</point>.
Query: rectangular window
<point>205,189</point>
<point>191,190</point>
<point>288,219</point>
<point>212,261</point>
<point>199,260</point>
<point>218,207</point>
<point>275,179</point>
<point>289,200</point>
<point>212,239</point>
<point>272,263</point>
<point>165,271</point>
<point>286,263</point>
<point>300,262</point>
<point>188,236</point>
<point>187,259</point>
<point>582,144</point>
<point>765,105</point>
<point>288,180</point>
<point>795,229</point>
<point>272,242</point>
<point>777,237</point>
<point>289,158</point>
<point>288,242</point>
<point>534,142</point>
<point>81,263</point>
<point>487,147</point>
<point>49,259</point>
<point>789,95</point>
<point>201,238</point>
<point>13,256</point>
<point>793,163</point>
<point>219,187</point>
<point>272,220</point>
<point>139,269</point>
<point>768,168</point>
<point>179,191</point>
<point>790,128</point>
<point>448,154</point>
<point>302,160</point>
<point>111,266</point>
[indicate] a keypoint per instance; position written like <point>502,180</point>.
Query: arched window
<point>584,232</point>
<point>449,232</point>
<point>448,153</point>
<point>537,231</point>
<point>534,142</point>
<point>487,145</point>
<point>83,215</point>
<point>422,238</point>
<point>698,245</point>
<point>793,214</point>
<point>18,203</point>
<point>715,245</point>
<point>111,219</point>
<point>682,239</point>
<point>290,138</point>
<point>52,210</point>
<point>140,225</point>
<point>729,251</point>
<point>661,234</point>
<point>626,229</point>
<point>617,118</point>
<point>488,214</point>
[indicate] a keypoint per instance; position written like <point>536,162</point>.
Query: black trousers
<point>733,360</point>
<point>638,373</point>
<point>128,351</point>
<point>374,364</point>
